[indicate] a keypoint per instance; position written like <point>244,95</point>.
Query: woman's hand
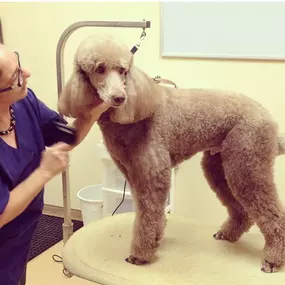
<point>55,160</point>
<point>97,111</point>
<point>84,125</point>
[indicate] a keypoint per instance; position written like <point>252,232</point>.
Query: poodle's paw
<point>274,251</point>
<point>142,253</point>
<point>135,260</point>
<point>220,236</point>
<point>234,228</point>
<point>269,267</point>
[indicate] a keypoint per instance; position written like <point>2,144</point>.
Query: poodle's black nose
<point>118,99</point>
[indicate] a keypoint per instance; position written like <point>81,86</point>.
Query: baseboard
<point>59,212</point>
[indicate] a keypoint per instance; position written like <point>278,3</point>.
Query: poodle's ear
<point>77,97</point>
<point>144,96</point>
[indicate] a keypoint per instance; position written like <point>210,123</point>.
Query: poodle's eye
<point>122,71</point>
<point>100,69</point>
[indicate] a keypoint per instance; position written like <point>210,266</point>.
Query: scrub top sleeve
<point>4,195</point>
<point>47,117</point>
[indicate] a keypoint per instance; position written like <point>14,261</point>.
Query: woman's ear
<point>77,97</point>
<point>144,96</point>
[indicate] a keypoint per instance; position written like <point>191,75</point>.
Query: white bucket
<point>91,203</point>
<point>112,176</point>
<point>113,198</point>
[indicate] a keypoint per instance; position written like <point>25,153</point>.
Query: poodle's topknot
<point>105,49</point>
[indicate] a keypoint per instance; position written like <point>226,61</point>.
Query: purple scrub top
<point>34,121</point>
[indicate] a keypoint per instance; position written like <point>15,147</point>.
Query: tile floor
<point>44,270</point>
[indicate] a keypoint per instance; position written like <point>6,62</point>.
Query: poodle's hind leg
<point>150,179</point>
<point>239,221</point>
<point>248,159</point>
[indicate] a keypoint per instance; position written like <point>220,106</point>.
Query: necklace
<point>12,124</point>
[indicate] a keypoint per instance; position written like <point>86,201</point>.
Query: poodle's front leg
<point>150,182</point>
<point>148,230</point>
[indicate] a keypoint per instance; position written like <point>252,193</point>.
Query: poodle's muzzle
<point>111,89</point>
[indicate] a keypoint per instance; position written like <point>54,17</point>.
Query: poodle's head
<point>105,64</point>
<point>104,71</point>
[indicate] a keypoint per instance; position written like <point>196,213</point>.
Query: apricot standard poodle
<point>150,128</point>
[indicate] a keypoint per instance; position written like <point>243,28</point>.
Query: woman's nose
<point>26,73</point>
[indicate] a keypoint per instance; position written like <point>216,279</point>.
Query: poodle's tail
<point>281,145</point>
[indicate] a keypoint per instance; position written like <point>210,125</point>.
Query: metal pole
<point>1,34</point>
<point>68,225</point>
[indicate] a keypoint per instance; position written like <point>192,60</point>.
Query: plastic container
<point>113,198</point>
<point>91,203</point>
<point>112,176</point>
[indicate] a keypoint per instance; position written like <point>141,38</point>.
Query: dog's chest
<point>123,140</point>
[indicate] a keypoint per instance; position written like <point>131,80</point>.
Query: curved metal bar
<point>68,225</point>
<point>72,28</point>
<point>1,34</point>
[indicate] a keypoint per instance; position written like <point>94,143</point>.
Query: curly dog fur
<point>151,128</point>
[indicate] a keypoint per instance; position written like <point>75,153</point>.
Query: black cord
<point>122,198</point>
<point>57,258</point>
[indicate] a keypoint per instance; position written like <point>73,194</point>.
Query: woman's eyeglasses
<point>19,82</point>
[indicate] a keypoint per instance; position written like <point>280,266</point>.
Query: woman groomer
<point>26,128</point>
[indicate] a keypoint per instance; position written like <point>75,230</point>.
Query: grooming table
<point>188,255</point>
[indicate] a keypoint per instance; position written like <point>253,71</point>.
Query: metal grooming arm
<point>68,225</point>
<point>1,34</point>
